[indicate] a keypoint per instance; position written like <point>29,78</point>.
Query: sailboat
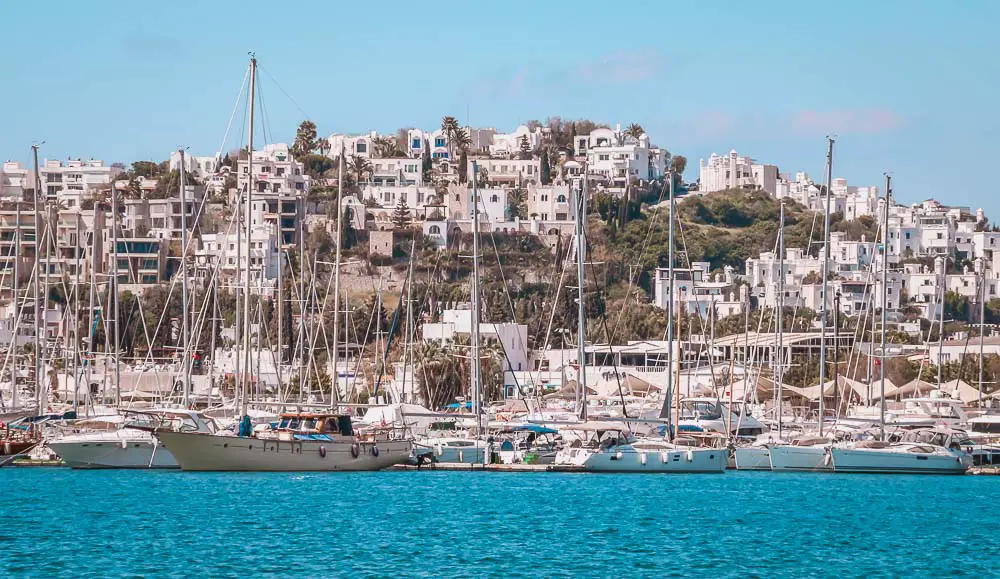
<point>919,452</point>
<point>610,446</point>
<point>302,441</point>
<point>811,452</point>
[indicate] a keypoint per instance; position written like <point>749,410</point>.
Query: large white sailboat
<point>810,453</point>
<point>610,447</point>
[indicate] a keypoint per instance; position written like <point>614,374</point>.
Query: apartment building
<point>735,172</point>
<point>74,175</point>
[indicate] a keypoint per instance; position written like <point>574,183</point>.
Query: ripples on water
<point>57,522</point>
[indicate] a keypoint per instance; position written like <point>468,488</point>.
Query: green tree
<point>678,163</point>
<point>316,166</point>
<point>386,147</point>
<point>401,215</point>
<point>360,167</point>
<point>450,128</point>
<point>635,130</point>
<point>524,149</point>
<point>169,185</point>
<point>517,204</point>
<point>305,139</point>
<point>463,167</point>
<point>426,161</point>
<point>546,170</point>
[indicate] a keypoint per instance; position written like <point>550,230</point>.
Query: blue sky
<point>906,86</point>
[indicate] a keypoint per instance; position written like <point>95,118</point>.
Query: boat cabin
<point>313,426</point>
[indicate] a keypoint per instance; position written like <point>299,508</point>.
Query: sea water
<point>59,523</point>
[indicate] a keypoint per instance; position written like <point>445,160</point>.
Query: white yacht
<point>300,442</point>
<point>712,415</point>
<point>923,452</point>
<point>803,453</point>
<point>126,441</point>
<point>610,447</point>
<point>450,449</point>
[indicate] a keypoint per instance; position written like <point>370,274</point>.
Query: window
<point>434,230</point>
<point>561,199</point>
<point>606,157</point>
<point>265,169</point>
<point>415,144</point>
<point>494,199</point>
<point>361,147</point>
<point>939,236</point>
<point>907,234</point>
<point>262,187</point>
<point>439,142</point>
<point>545,216</point>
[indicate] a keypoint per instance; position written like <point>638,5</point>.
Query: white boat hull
<point>111,454</point>
<point>448,454</point>
<point>207,452</point>
<point>752,458</point>
<point>888,461</point>
<point>785,457</point>
<point>694,460</point>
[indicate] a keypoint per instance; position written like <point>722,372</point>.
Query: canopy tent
<point>966,392</point>
<point>636,385</point>
<point>911,389</point>
<point>398,415</point>
<point>568,392</point>
<point>763,388</point>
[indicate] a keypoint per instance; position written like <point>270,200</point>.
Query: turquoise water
<point>57,522</point>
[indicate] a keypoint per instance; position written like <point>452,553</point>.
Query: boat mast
<point>281,306</point>
<point>779,368</point>
<point>665,410</point>
<point>476,368</point>
<point>944,296</point>
<point>186,397</point>
<point>336,276</point>
<point>76,321</point>
<point>17,302</point>
<point>885,300</point>
<point>247,217</point>
<point>826,282</point>
<point>113,292</point>
<point>91,357</point>
<point>581,254</point>
<point>35,292</point>
<point>982,322</point>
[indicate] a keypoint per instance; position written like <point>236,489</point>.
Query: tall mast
<point>665,410</point>
<point>779,368</point>
<point>476,369</point>
<point>336,276</point>
<point>944,296</point>
<point>247,216</point>
<point>76,320</point>
<point>35,281</point>
<point>885,299</point>
<point>410,329</point>
<point>91,358</point>
<point>826,282</point>
<point>281,306</point>
<point>581,254</point>
<point>982,322</point>
<point>185,339</point>
<point>17,300</point>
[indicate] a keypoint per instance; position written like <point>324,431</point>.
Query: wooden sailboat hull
<point>207,452</point>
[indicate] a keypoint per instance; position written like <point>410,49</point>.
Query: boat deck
<point>492,467</point>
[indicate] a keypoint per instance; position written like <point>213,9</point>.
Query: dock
<point>987,470</point>
<point>452,466</point>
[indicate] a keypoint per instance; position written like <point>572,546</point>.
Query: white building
<point>619,158</point>
<point>509,144</point>
<point>397,171</point>
<point>202,167</point>
<point>14,180</point>
<point>74,176</point>
<point>223,251</point>
<point>697,291</point>
<point>513,338</point>
<point>510,172</point>
<point>274,171</point>
<point>735,172</point>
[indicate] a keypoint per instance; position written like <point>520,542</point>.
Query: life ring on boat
<point>355,449</point>
<point>322,452</point>
<point>375,450</point>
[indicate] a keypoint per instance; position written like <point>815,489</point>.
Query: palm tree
<point>385,147</point>
<point>635,130</point>
<point>360,167</point>
<point>450,128</point>
<point>462,140</point>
